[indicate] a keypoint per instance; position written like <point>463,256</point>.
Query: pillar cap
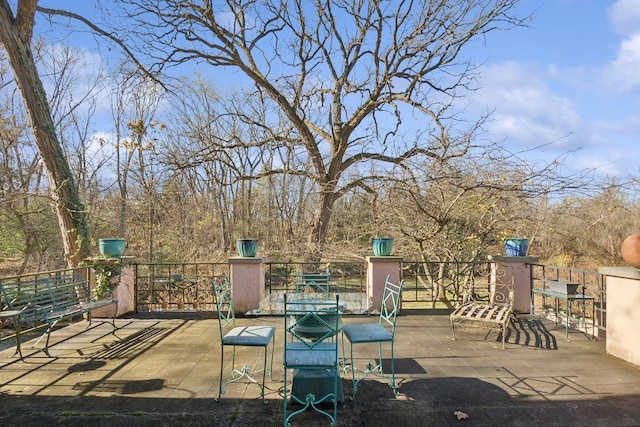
<point>247,260</point>
<point>626,272</point>
<point>374,259</point>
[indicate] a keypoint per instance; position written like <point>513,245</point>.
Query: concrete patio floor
<point>164,372</point>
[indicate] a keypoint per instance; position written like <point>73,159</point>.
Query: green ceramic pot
<point>516,247</point>
<point>112,248</point>
<point>247,247</point>
<point>382,246</point>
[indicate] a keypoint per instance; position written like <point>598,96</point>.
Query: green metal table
<point>569,299</point>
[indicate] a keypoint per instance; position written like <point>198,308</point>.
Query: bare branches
<point>118,41</point>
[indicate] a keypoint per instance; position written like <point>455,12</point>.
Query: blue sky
<point>570,82</point>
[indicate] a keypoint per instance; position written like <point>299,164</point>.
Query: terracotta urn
<point>630,250</point>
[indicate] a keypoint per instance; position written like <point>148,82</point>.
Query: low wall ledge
<point>504,258</point>
<point>624,272</point>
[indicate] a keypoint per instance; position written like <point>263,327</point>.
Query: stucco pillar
<point>124,293</point>
<point>378,268</point>
<point>522,282</point>
<point>623,312</point>
<point>247,283</point>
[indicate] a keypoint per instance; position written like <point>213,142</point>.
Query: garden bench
<point>50,299</point>
<point>488,305</point>
<point>315,282</point>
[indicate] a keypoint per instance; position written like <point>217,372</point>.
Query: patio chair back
<point>222,294</point>
<point>391,301</point>
<point>311,351</point>
<point>315,282</point>
<point>240,336</point>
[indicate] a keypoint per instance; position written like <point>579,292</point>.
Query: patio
<point>163,371</point>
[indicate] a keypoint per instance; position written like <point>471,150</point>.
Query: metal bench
<point>314,282</point>
<point>50,299</point>
<point>488,305</point>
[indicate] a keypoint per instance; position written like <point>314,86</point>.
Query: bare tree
<point>349,76</point>
<point>16,33</point>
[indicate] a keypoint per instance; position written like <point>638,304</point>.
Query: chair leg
<point>264,374</point>
<point>244,372</point>
<point>375,370</point>
<point>273,349</point>
<point>354,383</point>
<point>336,378</point>
<point>284,400</point>
<point>393,371</point>
<point>221,371</point>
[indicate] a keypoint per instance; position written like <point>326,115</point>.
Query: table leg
<point>17,326</point>
<point>568,316</point>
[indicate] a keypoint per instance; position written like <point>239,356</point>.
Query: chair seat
<point>249,336</point>
<point>367,333</point>
<point>299,355</point>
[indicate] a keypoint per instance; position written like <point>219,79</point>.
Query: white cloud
<point>527,112</point>
<point>625,16</point>
<point>101,144</point>
<point>531,113</point>
<point>622,74</point>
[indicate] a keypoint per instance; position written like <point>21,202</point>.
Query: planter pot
<point>247,247</point>
<point>196,304</point>
<point>382,246</point>
<point>112,248</point>
<point>516,247</point>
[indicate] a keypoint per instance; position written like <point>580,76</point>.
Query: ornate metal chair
<point>311,352</point>
<point>314,282</point>
<point>240,336</point>
<point>488,305</point>
<point>381,332</point>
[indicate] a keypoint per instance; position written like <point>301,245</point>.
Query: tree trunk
<point>318,234</point>
<point>15,35</point>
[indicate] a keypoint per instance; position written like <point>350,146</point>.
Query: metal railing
<point>345,276</point>
<point>434,285</point>
<point>176,286</point>
<point>439,285</point>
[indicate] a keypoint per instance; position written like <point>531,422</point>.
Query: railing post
<point>247,282</point>
<point>378,268</point>
<point>522,281</point>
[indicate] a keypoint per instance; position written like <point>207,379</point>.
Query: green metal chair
<point>381,332</point>
<point>314,282</point>
<point>311,352</point>
<point>240,336</point>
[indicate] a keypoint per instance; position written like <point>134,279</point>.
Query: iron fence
<point>176,286</point>
<point>436,285</point>
<point>345,276</point>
